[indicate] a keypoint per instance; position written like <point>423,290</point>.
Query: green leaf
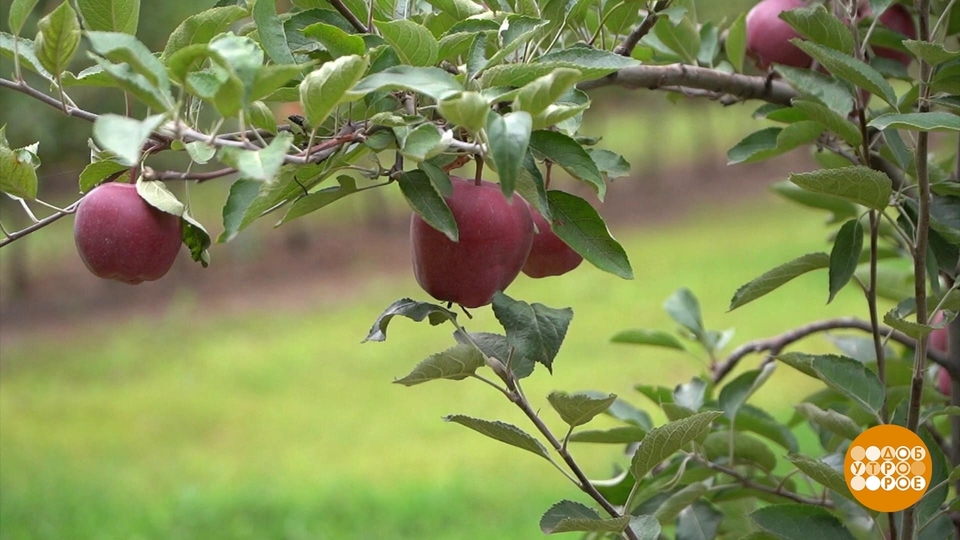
<point>859,184</point>
<point>656,338</point>
<point>271,33</point>
<point>503,432</point>
<point>592,63</point>
<point>458,9</point>
<point>773,141</point>
<point>570,155</point>
<point>933,53</point>
<point>325,88</point>
<point>337,42</point>
<point>411,309</point>
<point>347,185</point>
<point>158,196</point>
<point>19,11</point>
<point>413,42</point>
<point>509,138</point>
<point>580,226</point>
<point>924,121</point>
<point>110,15</point>
<point>736,43</point>
<point>824,88</point>
<point>701,521</point>
<point>58,37</point>
<point>850,69</point>
<point>664,441</point>
<point>18,175</point>
<point>242,194</point>
<point>839,208</point>
<point>438,177</point>
<point>125,136</point>
<point>96,172</point>
<point>645,527</point>
<point>468,110</point>
<point>496,346</point>
<point>201,152</point>
<point>831,120</point>
<point>683,38</point>
<point>538,94</point>
<point>262,165</point>
<point>830,420</point>
<point>676,502</point>
<point>820,26</point>
<point>432,82</point>
<point>617,435</point>
<point>611,164</point>
<point>261,117</point>
<point>820,472</point>
<point>133,66</point>
<point>747,450</point>
<point>569,516</point>
<point>845,255</point>
<point>535,330</point>
<point>753,419</point>
<point>579,409</point>
<point>26,52</point>
<point>196,238</point>
<point>684,308</point>
<point>773,279</point>
<point>201,28</point>
<point>515,32</point>
<point>852,379</point>
<point>427,202</point>
<point>735,393</point>
<point>456,363</point>
<point>912,329</point>
<point>423,142</point>
<point>797,521</point>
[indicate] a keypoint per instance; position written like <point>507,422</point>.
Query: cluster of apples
<point>497,241</point>
<point>768,36</point>
<point>120,236</point>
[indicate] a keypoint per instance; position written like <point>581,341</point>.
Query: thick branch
<point>774,345</point>
<point>735,84</point>
<point>630,42</point>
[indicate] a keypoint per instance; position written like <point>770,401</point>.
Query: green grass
<point>280,424</point>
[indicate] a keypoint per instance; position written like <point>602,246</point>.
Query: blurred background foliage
<point>237,402</point>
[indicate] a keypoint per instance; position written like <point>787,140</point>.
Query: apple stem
<point>546,181</point>
<point>479,174</point>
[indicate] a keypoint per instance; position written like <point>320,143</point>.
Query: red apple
<point>495,239</point>
<point>120,236</point>
<point>943,382</point>
<point>768,36</point>
<point>939,339</point>
<point>549,256</point>
<point>897,18</point>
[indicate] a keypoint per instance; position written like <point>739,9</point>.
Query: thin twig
<point>342,8</point>
<point>778,491</point>
<point>625,48</point>
<point>775,344</point>
<point>39,224</point>
<point>25,88</point>
<point>150,174</point>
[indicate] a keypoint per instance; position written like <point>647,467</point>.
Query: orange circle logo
<point>888,468</point>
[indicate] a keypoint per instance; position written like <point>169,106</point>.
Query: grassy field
<point>280,424</point>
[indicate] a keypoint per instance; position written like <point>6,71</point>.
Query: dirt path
<point>333,265</point>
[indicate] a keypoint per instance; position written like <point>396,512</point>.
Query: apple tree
<point>397,94</point>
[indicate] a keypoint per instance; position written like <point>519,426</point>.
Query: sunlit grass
<point>280,424</point>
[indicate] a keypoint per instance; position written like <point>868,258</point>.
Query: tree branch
<point>626,47</point>
<point>735,84</point>
<point>775,344</point>
<point>778,491</point>
<point>14,236</point>
<point>69,110</point>
<point>342,8</point>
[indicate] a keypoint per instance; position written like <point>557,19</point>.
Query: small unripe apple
<point>120,236</point>
<point>768,36</point>
<point>495,239</point>
<point>897,18</point>
<point>549,256</point>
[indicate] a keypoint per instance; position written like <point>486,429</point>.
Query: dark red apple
<point>943,382</point>
<point>549,256</point>
<point>768,36</point>
<point>495,239</point>
<point>120,236</point>
<point>897,18</point>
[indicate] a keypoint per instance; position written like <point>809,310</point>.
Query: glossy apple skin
<point>549,256</point>
<point>120,236</point>
<point>896,18</point>
<point>768,36</point>
<point>495,239</point>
